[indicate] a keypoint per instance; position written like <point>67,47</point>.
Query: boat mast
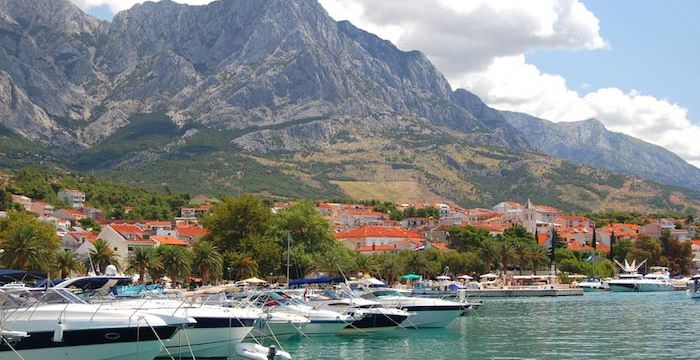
<point>289,238</point>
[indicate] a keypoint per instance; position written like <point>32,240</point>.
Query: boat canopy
<point>10,275</point>
<point>320,280</point>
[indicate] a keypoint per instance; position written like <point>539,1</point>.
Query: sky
<point>632,64</point>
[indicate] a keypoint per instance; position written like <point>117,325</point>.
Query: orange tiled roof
<point>87,235</point>
<point>158,223</point>
<point>603,248</point>
<point>575,246</point>
<point>127,229</point>
<point>168,240</point>
<point>363,213</point>
<point>695,242</point>
<point>378,231</point>
<point>191,231</point>
<point>542,238</point>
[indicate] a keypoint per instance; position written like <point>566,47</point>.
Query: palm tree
<point>176,261</point>
<point>207,259</point>
<point>391,267</point>
<point>66,263</point>
<point>489,252</point>
<point>522,253</point>
<point>102,255</point>
<point>538,256</point>
<point>245,266</point>
<point>365,264</point>
<point>141,260</point>
<point>25,250</point>
<point>506,254</point>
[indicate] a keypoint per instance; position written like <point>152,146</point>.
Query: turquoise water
<point>593,326</point>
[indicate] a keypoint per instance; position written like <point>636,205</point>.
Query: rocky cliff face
<point>230,64</point>
<point>590,143</point>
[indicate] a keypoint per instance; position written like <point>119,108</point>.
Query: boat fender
<point>58,332</point>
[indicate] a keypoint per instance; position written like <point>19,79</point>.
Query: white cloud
<point>480,45</point>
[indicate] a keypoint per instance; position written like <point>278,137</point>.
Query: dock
<point>523,292</point>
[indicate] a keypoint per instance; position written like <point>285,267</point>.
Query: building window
<point>131,248</point>
<point>116,249</point>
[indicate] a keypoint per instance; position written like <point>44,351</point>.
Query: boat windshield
<point>31,297</point>
<point>384,293</point>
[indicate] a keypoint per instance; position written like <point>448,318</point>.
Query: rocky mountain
<point>590,143</point>
<point>269,96</point>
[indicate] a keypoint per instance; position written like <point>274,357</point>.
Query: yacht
<point>59,325</point>
<point>217,329</point>
<point>630,280</point>
<point>322,322</point>
<point>593,284</point>
<point>694,287</point>
<point>370,315</point>
<point>658,279</point>
<point>427,312</point>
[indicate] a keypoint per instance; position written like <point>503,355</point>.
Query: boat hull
<point>646,287</point>
<point>277,330</point>
<point>206,342</point>
<point>322,328</point>
<point>431,318</point>
<point>376,322</point>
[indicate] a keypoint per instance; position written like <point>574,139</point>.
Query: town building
<point>74,198</point>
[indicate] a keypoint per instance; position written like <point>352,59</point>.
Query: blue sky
<point>654,49</point>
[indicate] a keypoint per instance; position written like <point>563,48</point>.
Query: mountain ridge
<point>589,142</point>
<point>272,97</point>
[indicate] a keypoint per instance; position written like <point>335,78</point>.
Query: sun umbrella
<point>465,277</point>
<point>254,280</point>
<point>443,277</point>
<point>490,276</point>
<point>410,277</point>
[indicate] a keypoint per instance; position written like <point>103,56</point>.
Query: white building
<point>72,197</point>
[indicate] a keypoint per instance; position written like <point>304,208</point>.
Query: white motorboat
<point>593,284</point>
<point>694,287</point>
<point>370,315</point>
<point>658,279</point>
<point>426,312</point>
<point>322,322</point>
<point>631,281</point>
<point>60,325</point>
<point>217,329</point>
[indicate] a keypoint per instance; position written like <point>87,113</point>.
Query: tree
<point>391,266</point>
<point>419,263</point>
<point>142,260</point>
<point>89,223</point>
<point>522,254</point>
<point>266,251</point>
<point>620,249</point>
<point>28,244</point>
<point>177,261</point>
<point>207,260</point>
<point>66,263</point>
<point>518,233</point>
<point>468,238</point>
<point>556,243</point>
<point>306,226</point>
<point>235,219</point>
<point>645,248</point>
<point>594,239</point>
<point>676,255</point>
<point>102,256</point>
<point>538,256</point>
<point>242,266</point>
<point>489,251</point>
<point>506,254</point>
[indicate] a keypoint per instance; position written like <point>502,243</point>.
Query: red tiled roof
<point>168,240</point>
<point>603,248</point>
<point>695,242</point>
<point>542,238</point>
<point>158,223</point>
<point>73,212</point>
<point>88,236</point>
<point>379,231</point>
<point>127,229</point>
<point>575,246</point>
<point>191,231</point>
